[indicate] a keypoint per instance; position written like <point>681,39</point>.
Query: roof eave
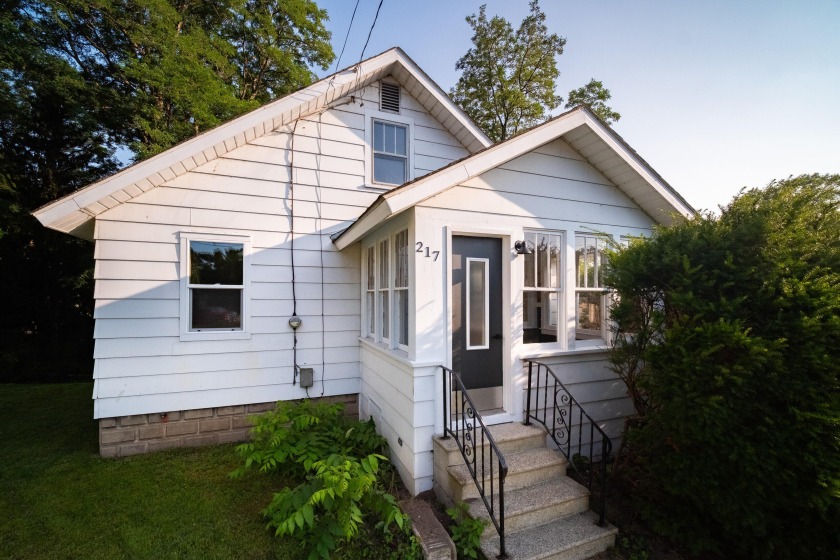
<point>415,192</point>
<point>68,213</point>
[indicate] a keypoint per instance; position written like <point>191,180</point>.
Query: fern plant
<point>338,462</point>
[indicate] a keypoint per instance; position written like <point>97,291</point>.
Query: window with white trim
<point>370,293</point>
<point>478,303</point>
<point>542,292</point>
<point>401,288</point>
<point>384,331</point>
<point>590,293</point>
<point>390,153</point>
<point>387,291</point>
<point>214,285</point>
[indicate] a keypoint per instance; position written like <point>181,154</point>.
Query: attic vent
<point>389,97</point>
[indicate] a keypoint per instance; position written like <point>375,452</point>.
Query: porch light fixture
<point>295,322</point>
<point>523,248</point>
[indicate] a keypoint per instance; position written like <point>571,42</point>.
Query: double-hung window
<point>214,285</point>
<point>370,293</point>
<point>542,293</point>
<point>590,295</point>
<point>401,289</point>
<point>384,330</point>
<point>390,153</point>
<point>549,310</point>
<point>387,291</point>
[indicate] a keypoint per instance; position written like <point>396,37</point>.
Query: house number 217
<point>426,252</point>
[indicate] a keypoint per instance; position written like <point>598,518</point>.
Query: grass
<point>60,500</point>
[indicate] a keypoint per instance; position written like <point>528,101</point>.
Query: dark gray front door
<point>477,330</point>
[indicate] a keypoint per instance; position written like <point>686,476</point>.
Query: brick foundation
<point>147,433</point>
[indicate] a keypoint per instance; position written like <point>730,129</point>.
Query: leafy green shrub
<point>466,531</point>
<point>338,462</point>
<point>731,325</point>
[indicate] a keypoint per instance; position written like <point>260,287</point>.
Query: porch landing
<point>547,513</point>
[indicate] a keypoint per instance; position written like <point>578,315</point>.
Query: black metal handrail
<point>484,460</point>
<point>557,415</point>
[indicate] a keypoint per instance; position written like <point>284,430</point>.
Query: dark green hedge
<point>734,321</point>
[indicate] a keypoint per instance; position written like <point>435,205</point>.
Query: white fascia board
<point>401,199</point>
<point>664,191</point>
<point>302,102</point>
<point>164,160</point>
<point>480,163</point>
<point>375,215</point>
<point>312,97</point>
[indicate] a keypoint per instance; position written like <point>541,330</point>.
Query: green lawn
<point>59,499</point>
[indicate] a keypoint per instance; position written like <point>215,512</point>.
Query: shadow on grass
<point>61,500</point>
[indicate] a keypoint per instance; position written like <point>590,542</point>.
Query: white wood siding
<point>142,365</point>
<point>400,397</point>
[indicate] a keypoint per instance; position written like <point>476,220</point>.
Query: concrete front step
<point>512,437</point>
<point>525,468</point>
<point>535,505</point>
<point>571,538</point>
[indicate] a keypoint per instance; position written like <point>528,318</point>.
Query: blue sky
<point>715,95</point>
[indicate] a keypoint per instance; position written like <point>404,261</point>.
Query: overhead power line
<point>371,30</point>
<point>346,36</point>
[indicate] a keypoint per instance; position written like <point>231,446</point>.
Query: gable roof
<point>75,213</point>
<point>602,148</point>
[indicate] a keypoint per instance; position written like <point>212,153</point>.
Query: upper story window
<point>387,291</point>
<point>542,293</point>
<point>214,285</point>
<point>390,153</point>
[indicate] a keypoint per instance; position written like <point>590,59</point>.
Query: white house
<point>369,206</point>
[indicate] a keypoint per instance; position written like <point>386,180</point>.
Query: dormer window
<point>390,153</point>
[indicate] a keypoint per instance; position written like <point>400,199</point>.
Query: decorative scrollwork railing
<point>568,424</point>
<point>485,462</point>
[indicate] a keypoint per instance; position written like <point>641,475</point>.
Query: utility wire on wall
<point>295,321</point>
<point>321,252</point>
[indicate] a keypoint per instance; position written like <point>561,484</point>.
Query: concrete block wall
<point>147,433</point>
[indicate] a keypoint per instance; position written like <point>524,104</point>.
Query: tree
<point>508,78</point>
<point>736,324</point>
<point>595,96</point>
<point>52,141</point>
<point>174,68</point>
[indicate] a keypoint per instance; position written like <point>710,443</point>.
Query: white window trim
<point>381,334</point>
<point>603,341</point>
<point>391,342</point>
<point>562,342</point>
<point>184,273</point>
<point>369,291</point>
<point>394,288</point>
<point>372,115</point>
<point>486,325</point>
